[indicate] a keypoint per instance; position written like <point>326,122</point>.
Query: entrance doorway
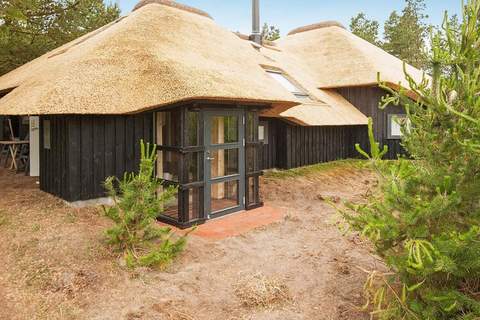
<point>224,164</point>
<point>210,152</point>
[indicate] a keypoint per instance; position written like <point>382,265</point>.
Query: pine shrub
<point>425,220</point>
<point>138,200</point>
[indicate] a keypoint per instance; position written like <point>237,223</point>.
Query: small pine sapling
<point>138,199</point>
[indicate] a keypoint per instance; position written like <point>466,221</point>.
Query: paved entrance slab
<point>238,223</point>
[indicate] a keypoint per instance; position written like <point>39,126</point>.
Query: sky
<point>235,15</point>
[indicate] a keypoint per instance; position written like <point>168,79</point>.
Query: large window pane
<point>168,163</point>
<point>194,163</point>
<point>224,195</point>
<point>168,128</point>
<point>193,133</point>
<point>250,130</point>
<point>170,208</point>
<point>195,204</point>
<point>224,162</point>
<point>224,130</point>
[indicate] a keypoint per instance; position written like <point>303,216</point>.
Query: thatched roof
<point>333,110</point>
<point>337,58</point>
<point>158,55</point>
<point>173,4</point>
<point>327,108</point>
<point>315,26</point>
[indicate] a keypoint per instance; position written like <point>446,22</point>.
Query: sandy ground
<point>55,265</point>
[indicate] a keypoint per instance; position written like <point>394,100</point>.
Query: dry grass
<point>172,311</point>
<point>352,164</point>
<point>258,290</point>
<point>55,264</point>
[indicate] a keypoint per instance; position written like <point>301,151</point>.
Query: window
<point>289,85</point>
<point>46,134</point>
<point>395,124</point>
<point>263,132</point>
<point>168,128</point>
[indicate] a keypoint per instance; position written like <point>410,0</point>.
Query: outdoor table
<point>13,147</point>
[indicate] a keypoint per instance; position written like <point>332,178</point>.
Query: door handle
<point>210,159</point>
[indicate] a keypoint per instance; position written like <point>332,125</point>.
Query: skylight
<point>289,85</point>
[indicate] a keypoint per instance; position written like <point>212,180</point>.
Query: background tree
<point>30,28</point>
<point>270,33</point>
<point>365,28</point>
<point>405,34</point>
<point>425,220</point>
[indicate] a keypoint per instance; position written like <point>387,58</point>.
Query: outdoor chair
<point>4,155</point>
<point>24,159</point>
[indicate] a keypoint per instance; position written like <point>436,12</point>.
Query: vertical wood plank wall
<point>296,146</point>
<point>87,149</point>
<point>2,128</point>
<point>367,100</point>
<point>269,152</point>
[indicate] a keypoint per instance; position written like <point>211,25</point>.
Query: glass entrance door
<point>224,162</point>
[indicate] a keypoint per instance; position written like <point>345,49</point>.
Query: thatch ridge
<point>173,4</point>
<point>315,26</point>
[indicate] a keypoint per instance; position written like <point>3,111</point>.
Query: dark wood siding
<point>269,151</point>
<point>53,162</point>
<point>367,100</point>
<point>87,149</point>
<point>2,127</point>
<point>297,146</point>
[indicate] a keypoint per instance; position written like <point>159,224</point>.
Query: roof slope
<point>157,55</point>
<point>327,108</point>
<point>338,58</point>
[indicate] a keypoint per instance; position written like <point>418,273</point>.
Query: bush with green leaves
<point>425,220</point>
<point>138,200</point>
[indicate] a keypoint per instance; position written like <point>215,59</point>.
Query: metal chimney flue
<point>256,35</point>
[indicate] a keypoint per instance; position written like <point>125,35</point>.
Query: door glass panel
<point>224,129</point>
<point>224,162</point>
<point>224,195</point>
<point>251,159</point>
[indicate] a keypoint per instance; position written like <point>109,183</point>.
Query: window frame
<point>264,124</point>
<point>47,134</point>
<point>390,118</point>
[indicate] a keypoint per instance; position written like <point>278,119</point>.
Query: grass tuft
<point>258,290</point>
<point>313,169</point>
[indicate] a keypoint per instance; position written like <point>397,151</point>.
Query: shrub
<point>425,221</point>
<point>138,200</point>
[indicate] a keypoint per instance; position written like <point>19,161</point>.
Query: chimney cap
<point>256,35</point>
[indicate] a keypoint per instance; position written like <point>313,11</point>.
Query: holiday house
<point>220,106</point>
